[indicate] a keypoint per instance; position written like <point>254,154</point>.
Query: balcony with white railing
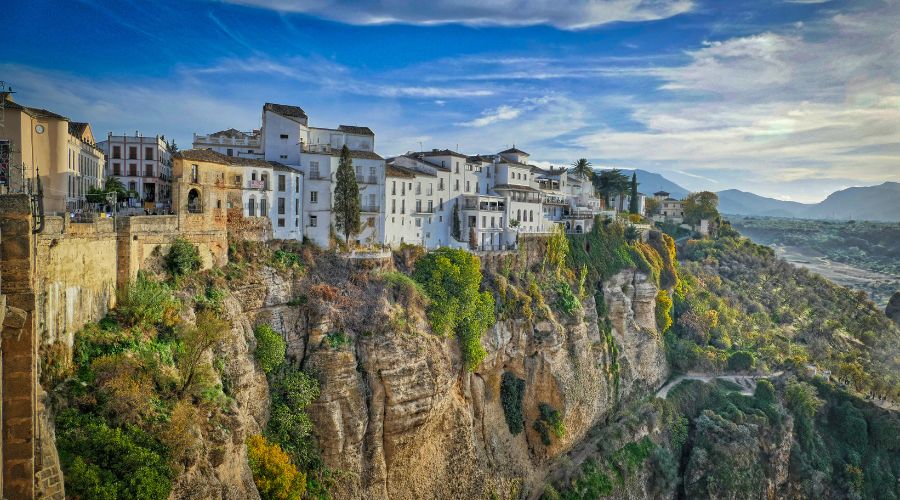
<point>484,203</point>
<point>366,179</point>
<point>248,141</point>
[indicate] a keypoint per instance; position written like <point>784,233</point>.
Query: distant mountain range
<point>874,203</point>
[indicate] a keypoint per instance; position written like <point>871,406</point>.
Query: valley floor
<point>879,286</point>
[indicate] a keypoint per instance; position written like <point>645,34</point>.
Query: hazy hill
<point>876,203</point>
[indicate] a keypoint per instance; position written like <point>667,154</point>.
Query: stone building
<point>49,145</point>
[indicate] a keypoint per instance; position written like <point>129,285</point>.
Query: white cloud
<point>564,14</point>
<point>490,116</point>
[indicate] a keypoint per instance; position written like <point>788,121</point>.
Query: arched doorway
<point>195,206</point>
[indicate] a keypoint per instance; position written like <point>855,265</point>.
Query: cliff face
<point>400,417</point>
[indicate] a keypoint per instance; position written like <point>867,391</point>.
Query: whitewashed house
<point>315,152</point>
<point>231,142</point>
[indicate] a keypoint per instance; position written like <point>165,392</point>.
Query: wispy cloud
<point>564,14</point>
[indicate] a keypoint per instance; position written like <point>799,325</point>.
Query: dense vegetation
<point>713,442</point>
<point>131,395</point>
<point>451,279</point>
<point>735,296</point>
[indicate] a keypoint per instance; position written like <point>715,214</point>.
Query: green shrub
<point>741,361</point>
<point>183,258</point>
<point>338,340</point>
<point>512,390</point>
<point>451,278</point>
<point>549,422</point>
<point>100,461</point>
<point>270,347</point>
<point>282,259</point>
<point>289,424</point>
<point>212,298</point>
<point>566,300</point>
<point>663,311</point>
<point>275,476</point>
<point>145,302</point>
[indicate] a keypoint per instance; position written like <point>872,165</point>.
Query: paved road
<point>747,382</point>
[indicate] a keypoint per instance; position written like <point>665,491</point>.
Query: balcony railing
<point>362,179</point>
<point>487,207</point>
<point>370,208</point>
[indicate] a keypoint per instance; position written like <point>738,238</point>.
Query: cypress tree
<point>633,205</point>
<point>346,197</point>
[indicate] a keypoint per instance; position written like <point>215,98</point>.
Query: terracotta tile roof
<point>36,112</point>
<point>353,129</point>
<point>285,110</point>
<point>77,128</point>
<point>202,155</point>
<point>396,171</point>
<point>439,152</point>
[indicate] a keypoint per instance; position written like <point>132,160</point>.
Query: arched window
<point>195,206</point>
<point>251,207</point>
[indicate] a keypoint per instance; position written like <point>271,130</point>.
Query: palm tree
<point>582,168</point>
<point>114,185</point>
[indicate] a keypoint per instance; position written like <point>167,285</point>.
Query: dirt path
<point>747,382</point>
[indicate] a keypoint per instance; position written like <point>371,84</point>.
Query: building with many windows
<point>315,152</point>
<point>231,142</point>
<point>61,152</point>
<point>144,166</point>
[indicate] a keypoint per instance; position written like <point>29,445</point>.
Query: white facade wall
<point>143,164</point>
<point>399,224</point>
<point>286,211</point>
<point>245,146</point>
<point>281,138</point>
<point>85,169</point>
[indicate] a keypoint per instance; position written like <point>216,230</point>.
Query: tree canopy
<point>702,205</point>
<point>610,182</point>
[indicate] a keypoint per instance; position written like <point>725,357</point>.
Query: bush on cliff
<point>183,258</point>
<point>145,302</point>
<point>290,426</point>
<point>451,278</point>
<point>512,390</point>
<point>270,347</point>
<point>275,476</point>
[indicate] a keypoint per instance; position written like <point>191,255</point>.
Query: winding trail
<point>747,382</point>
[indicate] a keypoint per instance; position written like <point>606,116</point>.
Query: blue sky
<point>790,99</point>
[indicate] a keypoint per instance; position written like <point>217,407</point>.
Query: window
<point>313,196</point>
<point>265,179</point>
<point>283,157</point>
<point>281,207</point>
<point>429,190</point>
<point>281,184</point>
<point>148,170</point>
<point>132,153</point>
<point>296,206</point>
<point>402,206</point>
<point>263,208</point>
<point>418,206</point>
<point>296,184</point>
<point>441,184</point>
<point>117,169</point>
<point>394,187</point>
<point>430,206</point>
<point>218,203</point>
<point>373,201</point>
<point>457,167</point>
<point>394,206</point>
<point>456,187</point>
<point>251,207</point>
<point>229,152</point>
<point>313,221</point>
<point>132,169</point>
<point>117,152</point>
<point>284,136</point>
<point>418,188</point>
<point>148,153</point>
<point>441,204</point>
<point>468,186</point>
<point>314,169</point>
<point>280,222</point>
<point>418,222</point>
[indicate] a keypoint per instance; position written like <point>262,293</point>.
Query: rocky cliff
<point>399,417</point>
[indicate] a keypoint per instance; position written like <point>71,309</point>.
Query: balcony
<point>484,203</point>
<point>362,179</point>
<point>370,209</point>
<point>316,176</point>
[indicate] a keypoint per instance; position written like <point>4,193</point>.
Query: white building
<point>231,142</point>
<point>144,165</point>
<point>670,210</point>
<point>85,165</point>
<point>287,206</point>
<point>287,138</point>
<point>623,203</point>
<point>498,197</point>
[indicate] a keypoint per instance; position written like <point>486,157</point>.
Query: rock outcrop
<point>399,417</point>
<point>893,308</point>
